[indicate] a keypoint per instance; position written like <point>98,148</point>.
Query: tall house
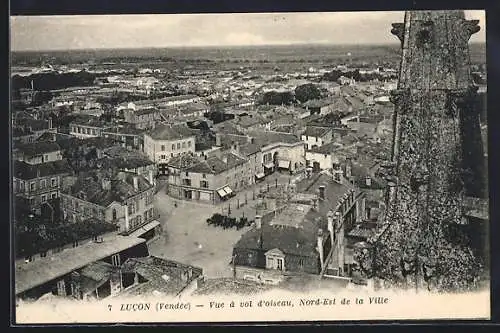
<point>436,154</point>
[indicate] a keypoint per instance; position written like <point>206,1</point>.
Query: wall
<point>43,158</point>
<point>81,131</point>
<point>23,188</point>
<point>153,148</point>
<point>324,160</point>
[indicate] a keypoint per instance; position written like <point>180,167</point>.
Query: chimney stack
<point>348,168</point>
<point>368,181</point>
<point>136,183</point>
<point>106,184</point>
<point>322,192</point>
<point>258,221</point>
<point>151,178</point>
<point>320,248</point>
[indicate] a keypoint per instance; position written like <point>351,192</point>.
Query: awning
<point>260,175</point>
<point>228,190</point>
<point>284,164</point>
<point>269,165</point>
<point>221,192</point>
<point>145,228</point>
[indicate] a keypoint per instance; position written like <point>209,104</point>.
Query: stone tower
<point>436,157</point>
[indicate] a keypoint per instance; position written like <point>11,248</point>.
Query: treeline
<point>335,74</point>
<point>32,239</point>
<point>53,81</point>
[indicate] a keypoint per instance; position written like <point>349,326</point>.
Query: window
<point>270,263</point>
<point>75,243</point>
<point>203,184</point>
<point>189,144</point>
<point>186,182</point>
<point>204,176</point>
<point>178,145</point>
<point>44,198</point>
<point>115,260</point>
<point>301,263</point>
<point>32,186</point>
<point>43,254</point>
<point>162,147</point>
<point>173,146</point>
<point>53,195</point>
<point>187,174</point>
<point>279,264</point>
<point>53,182</point>
<point>184,144</point>
<point>114,214</point>
<point>163,157</point>
<point>43,183</point>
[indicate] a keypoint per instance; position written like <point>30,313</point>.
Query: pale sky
<point>164,30</point>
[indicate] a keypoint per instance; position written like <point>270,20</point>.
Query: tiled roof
<point>25,171</point>
<point>316,103</point>
<point>225,286</point>
<point>290,240</point>
<point>327,148</point>
<point>183,161</point>
<point>264,138</point>
<point>249,149</point>
<point>95,274</point>
<point>171,132</point>
<point>122,188</point>
<point>164,276</point>
<point>216,165</point>
<point>227,127</point>
<point>38,148</point>
<point>316,131</point>
<point>333,190</point>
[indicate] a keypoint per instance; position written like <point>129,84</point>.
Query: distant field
<point>272,54</point>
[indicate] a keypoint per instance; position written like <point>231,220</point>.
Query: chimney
<point>218,139</point>
<point>106,184</point>
<point>320,247</point>
<point>348,168</point>
<point>330,221</point>
<point>126,217</point>
<point>258,221</point>
<point>322,192</point>
<point>136,183</point>
<point>151,178</point>
<point>368,181</point>
<point>236,147</point>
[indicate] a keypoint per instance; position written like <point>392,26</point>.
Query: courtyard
<point>187,238</point>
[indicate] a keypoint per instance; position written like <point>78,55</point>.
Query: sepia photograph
<point>253,167</point>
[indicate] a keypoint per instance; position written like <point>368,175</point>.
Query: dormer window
<point>275,259</point>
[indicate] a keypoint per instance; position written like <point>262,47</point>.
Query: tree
<point>277,98</point>
<point>307,92</point>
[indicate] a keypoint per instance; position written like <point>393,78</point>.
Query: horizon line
<point>208,46</point>
<point>217,46</point>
